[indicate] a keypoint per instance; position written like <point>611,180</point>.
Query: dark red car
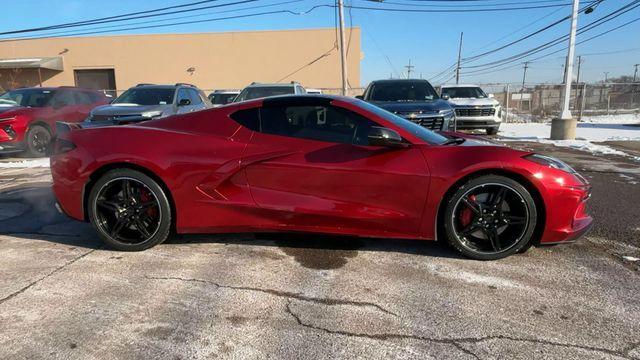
<point>316,164</point>
<point>28,116</point>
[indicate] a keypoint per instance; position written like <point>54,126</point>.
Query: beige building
<point>207,60</point>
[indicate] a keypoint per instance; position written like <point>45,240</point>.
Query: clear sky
<point>391,39</point>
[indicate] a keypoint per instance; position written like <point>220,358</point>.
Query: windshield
<point>27,97</point>
<point>402,91</point>
<point>263,91</point>
<point>417,130</point>
<point>464,93</point>
<point>221,99</point>
<point>146,97</point>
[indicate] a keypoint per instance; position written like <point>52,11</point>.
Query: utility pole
<point>409,69</point>
<point>343,53</point>
<point>575,105</point>
<point>524,79</point>
<point>459,59</point>
<point>633,90</point>
<point>564,128</point>
<point>606,76</point>
<point>635,73</point>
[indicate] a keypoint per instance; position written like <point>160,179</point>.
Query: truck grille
<point>489,111</point>
<point>113,117</point>
<point>425,120</point>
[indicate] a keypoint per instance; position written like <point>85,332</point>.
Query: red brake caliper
<point>145,196</point>
<point>466,215</point>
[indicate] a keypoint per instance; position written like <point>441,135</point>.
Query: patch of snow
<point>631,258</point>
<point>613,119</point>
<point>35,163</point>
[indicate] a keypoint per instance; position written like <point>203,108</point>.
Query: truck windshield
<point>464,93</point>
<point>146,97</point>
<point>27,97</point>
<point>402,91</point>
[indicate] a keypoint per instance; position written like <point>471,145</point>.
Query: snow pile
<point>613,119</point>
<point>597,129</point>
<point>585,131</point>
<point>35,163</point>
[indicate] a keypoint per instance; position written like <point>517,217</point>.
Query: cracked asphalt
<point>291,296</point>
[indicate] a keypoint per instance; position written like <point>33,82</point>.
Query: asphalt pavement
<point>245,296</point>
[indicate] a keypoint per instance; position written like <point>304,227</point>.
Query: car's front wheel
<point>38,139</point>
<point>490,217</point>
<point>129,210</point>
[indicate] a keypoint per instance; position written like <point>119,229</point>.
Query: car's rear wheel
<point>492,130</point>
<point>490,217</point>
<point>129,210</point>
<point>38,139</point>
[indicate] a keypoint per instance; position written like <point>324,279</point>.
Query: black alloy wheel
<point>38,139</point>
<point>490,217</point>
<point>129,210</point>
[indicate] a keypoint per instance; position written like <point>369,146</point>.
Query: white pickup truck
<point>474,108</point>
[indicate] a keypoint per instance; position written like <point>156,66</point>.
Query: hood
<point>128,109</point>
<point>12,110</point>
<point>413,106</point>
<point>473,102</point>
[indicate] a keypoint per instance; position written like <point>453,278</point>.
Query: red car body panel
<point>21,118</point>
<point>223,177</point>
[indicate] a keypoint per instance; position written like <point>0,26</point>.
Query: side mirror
<point>445,97</point>
<point>360,97</point>
<point>490,96</point>
<point>184,102</point>
<point>380,136</point>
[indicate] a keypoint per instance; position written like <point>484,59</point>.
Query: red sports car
<point>320,164</point>
<point>28,116</point>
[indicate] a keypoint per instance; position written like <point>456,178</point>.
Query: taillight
<point>62,146</point>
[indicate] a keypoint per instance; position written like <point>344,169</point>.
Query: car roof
<point>273,84</point>
<point>153,86</point>
<point>458,86</point>
<point>296,99</point>
<point>398,80</point>
<point>226,91</point>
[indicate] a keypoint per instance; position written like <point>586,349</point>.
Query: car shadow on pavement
<point>28,212</point>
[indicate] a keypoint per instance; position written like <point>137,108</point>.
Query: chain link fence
<point>541,102</point>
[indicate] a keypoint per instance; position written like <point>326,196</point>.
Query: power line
<point>456,10</point>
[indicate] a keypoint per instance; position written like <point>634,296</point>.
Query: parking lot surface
<point>244,296</point>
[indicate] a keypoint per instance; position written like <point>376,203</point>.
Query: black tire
<point>502,218</point>
<point>134,222</point>
<point>38,139</point>
<point>492,130</point>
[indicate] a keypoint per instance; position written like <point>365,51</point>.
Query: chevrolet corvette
<point>314,163</point>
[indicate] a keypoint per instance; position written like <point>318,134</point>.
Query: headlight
<point>151,114</point>
<point>550,162</point>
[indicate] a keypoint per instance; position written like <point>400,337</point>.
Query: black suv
<point>147,101</point>
<point>413,99</point>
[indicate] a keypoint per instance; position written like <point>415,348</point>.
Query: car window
<point>222,98</point>
<point>401,91</point>
<point>28,97</point>
<point>183,94</point>
<point>64,97</point>
<point>264,91</point>
<point>249,118</point>
<point>322,123</point>
<point>194,96</point>
<point>82,98</point>
<point>146,96</point>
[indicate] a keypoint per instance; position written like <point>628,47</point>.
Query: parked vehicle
<point>317,164</point>
<point>28,115</point>
<point>258,90</point>
<point>413,99</point>
<point>314,91</point>
<point>474,108</point>
<point>223,97</point>
<point>147,101</point>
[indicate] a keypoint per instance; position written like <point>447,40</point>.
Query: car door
<point>310,168</point>
<point>65,108</point>
<point>85,102</point>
